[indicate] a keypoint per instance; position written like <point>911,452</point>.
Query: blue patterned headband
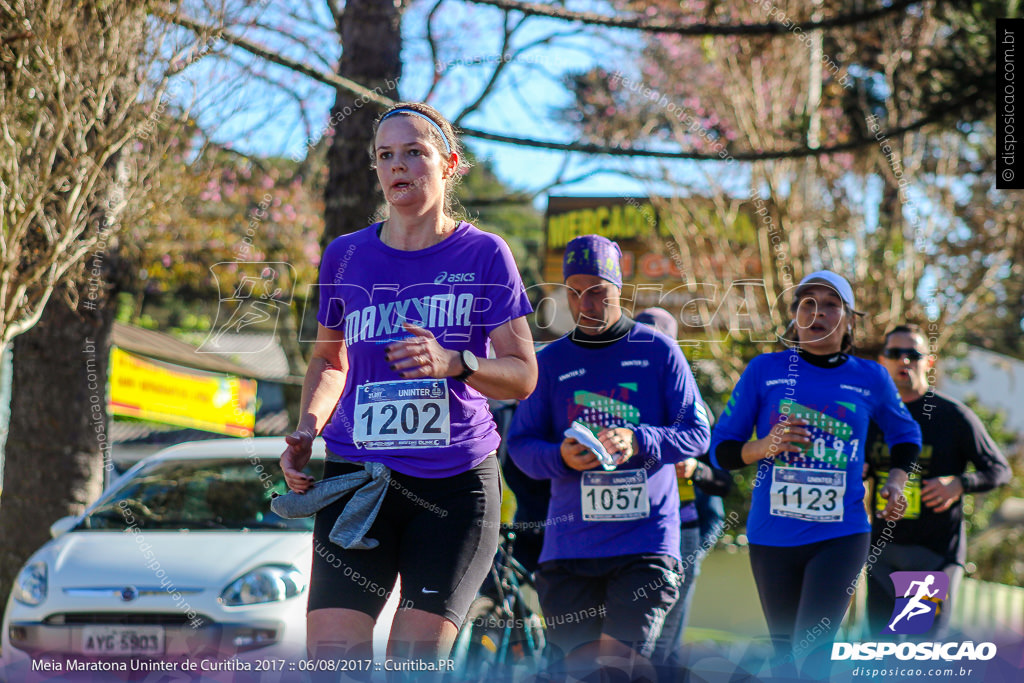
<point>403,110</point>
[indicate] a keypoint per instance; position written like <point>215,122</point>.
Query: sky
<point>259,120</point>
<point>260,114</point>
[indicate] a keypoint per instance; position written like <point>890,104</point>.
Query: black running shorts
<point>440,535</point>
<point>626,597</point>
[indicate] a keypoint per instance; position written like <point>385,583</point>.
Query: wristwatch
<point>470,364</point>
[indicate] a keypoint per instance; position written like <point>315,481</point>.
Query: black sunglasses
<point>897,353</point>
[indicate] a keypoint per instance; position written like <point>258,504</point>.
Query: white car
<point>180,559</point>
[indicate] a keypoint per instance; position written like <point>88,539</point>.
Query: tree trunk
<point>58,437</point>
<point>58,422</point>
<point>372,36</point>
<point>288,338</point>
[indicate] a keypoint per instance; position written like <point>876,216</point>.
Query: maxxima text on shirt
<point>948,652</point>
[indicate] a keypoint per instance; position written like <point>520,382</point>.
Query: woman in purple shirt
<point>397,386</point>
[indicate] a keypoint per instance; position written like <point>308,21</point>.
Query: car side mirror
<point>63,525</point>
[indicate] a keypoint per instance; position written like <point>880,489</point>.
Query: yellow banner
<point>161,392</point>
<point>617,219</point>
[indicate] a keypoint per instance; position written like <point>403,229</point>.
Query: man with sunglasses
<point>931,535</point>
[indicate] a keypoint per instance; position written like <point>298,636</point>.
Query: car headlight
<point>271,583</point>
<point>30,586</point>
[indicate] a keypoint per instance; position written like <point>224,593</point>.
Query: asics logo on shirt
<point>445,276</point>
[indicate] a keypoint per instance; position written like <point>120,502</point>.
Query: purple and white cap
<point>593,255</point>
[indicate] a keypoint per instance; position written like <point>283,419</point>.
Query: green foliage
<point>996,554</point>
<point>125,308</point>
<point>220,209</point>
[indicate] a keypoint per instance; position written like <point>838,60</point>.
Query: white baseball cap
<point>832,280</point>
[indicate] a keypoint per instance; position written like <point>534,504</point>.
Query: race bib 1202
<point>402,414</point>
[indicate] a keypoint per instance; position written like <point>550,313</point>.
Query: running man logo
<point>252,296</point>
<point>919,597</point>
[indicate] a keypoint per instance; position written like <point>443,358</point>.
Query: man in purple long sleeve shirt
<point>610,566</point>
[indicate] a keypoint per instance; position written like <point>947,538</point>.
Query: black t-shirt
<point>952,436</point>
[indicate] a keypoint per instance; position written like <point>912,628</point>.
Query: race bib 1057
<point>614,496</point>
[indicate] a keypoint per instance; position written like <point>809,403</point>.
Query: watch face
<point>470,361</point>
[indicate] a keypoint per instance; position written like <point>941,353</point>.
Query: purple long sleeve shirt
<point>641,382</point>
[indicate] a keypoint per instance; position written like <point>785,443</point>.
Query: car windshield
<point>200,493</point>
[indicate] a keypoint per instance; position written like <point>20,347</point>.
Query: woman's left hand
<point>422,356</point>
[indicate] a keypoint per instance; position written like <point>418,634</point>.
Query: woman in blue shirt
<point>810,407</point>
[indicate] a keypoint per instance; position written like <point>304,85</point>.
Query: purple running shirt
<point>461,289</point>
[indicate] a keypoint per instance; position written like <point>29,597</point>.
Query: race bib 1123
<point>808,494</point>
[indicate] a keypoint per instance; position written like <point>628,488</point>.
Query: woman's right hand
<point>294,458</point>
<point>787,436</point>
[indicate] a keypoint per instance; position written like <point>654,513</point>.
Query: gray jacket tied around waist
<point>371,484</point>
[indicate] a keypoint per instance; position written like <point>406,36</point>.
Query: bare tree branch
<point>969,95</point>
<point>297,39</point>
<point>507,33</point>
<point>749,155</point>
<point>435,60</point>
<point>73,112</point>
<point>694,28</point>
<point>249,70</point>
<point>271,56</point>
<point>336,10</point>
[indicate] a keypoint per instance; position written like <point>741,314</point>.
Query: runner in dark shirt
<point>930,537</point>
<point>701,520</point>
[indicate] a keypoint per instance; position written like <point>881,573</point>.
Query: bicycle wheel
<point>526,642</point>
<point>476,648</point>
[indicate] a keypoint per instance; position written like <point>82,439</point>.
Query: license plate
<point>123,640</point>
